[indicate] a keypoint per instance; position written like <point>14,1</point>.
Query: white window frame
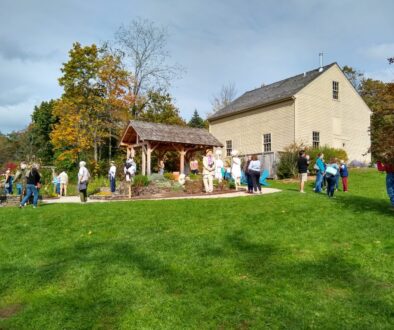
<point>267,142</point>
<point>335,90</point>
<point>316,139</point>
<point>229,147</point>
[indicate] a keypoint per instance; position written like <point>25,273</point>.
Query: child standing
<point>344,175</point>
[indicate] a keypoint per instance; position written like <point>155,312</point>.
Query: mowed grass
<point>284,260</point>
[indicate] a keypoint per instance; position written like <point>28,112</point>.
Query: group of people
<point>327,174</point>
<point>60,183</point>
<point>214,168</point>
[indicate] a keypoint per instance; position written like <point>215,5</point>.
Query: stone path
<point>75,199</point>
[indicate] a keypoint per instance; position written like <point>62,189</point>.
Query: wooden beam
<point>182,160</point>
<point>143,158</point>
<point>148,159</point>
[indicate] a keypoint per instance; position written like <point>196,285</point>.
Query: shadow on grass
<point>366,204</point>
<point>83,292</point>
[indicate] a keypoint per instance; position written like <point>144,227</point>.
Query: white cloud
<point>16,117</point>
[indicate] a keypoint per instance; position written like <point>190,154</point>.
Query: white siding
<point>342,123</point>
<point>246,129</point>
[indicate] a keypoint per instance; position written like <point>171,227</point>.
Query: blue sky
<point>244,42</point>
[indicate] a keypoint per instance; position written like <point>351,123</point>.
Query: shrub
<point>287,166</point>
<point>194,176</point>
<point>139,182</point>
<point>328,154</point>
<point>169,176</point>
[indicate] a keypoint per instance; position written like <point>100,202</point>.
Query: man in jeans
<point>302,163</point>
<point>389,169</point>
<point>320,171</point>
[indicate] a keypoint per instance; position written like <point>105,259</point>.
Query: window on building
<point>335,90</point>
<point>316,139</point>
<point>229,147</point>
<point>267,142</point>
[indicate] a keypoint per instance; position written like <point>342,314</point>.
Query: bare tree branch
<point>226,95</point>
<point>143,47</point>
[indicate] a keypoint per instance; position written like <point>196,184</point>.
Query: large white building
<point>316,108</point>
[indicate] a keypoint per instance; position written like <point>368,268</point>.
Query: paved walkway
<point>75,199</point>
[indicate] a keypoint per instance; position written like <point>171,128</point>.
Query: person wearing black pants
<point>254,171</point>
<point>247,174</point>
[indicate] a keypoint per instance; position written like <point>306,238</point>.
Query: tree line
<point>103,88</point>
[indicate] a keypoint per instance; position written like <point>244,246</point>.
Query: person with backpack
<point>331,173</point>
<point>33,184</point>
<point>130,168</point>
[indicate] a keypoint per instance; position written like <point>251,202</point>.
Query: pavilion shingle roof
<point>274,92</point>
<point>148,131</point>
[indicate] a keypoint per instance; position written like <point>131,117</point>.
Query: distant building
<point>319,107</point>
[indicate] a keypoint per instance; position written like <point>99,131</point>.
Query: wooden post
<point>143,165</point>
<point>182,165</point>
<point>148,159</point>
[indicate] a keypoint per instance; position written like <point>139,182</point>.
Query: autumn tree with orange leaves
<point>95,103</point>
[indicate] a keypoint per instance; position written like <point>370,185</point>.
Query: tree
<point>382,126</point>
<point>355,77</point>
<point>196,121</point>
<point>158,108</point>
<point>96,91</point>
<point>371,91</point>
<point>43,121</point>
<point>144,47</point>
<point>226,95</point>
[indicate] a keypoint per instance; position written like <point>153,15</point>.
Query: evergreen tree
<point>196,120</point>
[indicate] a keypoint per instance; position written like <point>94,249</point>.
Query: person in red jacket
<point>389,169</point>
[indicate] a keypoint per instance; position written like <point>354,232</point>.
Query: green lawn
<point>284,260</point>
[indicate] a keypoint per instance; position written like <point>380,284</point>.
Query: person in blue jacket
<point>320,171</point>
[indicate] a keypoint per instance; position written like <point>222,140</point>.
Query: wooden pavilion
<point>161,138</point>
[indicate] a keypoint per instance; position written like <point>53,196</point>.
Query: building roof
<point>275,92</point>
<point>148,131</point>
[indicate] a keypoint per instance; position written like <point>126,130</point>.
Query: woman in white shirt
<point>254,172</point>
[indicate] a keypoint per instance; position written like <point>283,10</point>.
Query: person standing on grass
<point>302,163</point>
<point>344,175</point>
<point>337,176</point>
<point>83,180</point>
<point>389,169</point>
<point>208,171</point>
<point>255,171</point>
<point>112,176</point>
<point>331,172</point>
<point>33,184</point>
<point>320,171</point>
